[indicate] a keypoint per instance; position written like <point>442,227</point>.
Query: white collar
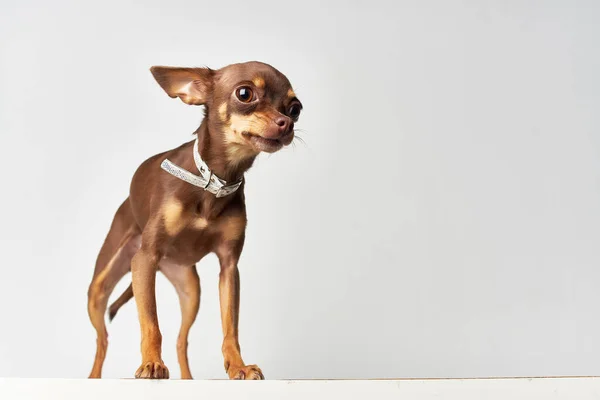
<point>206,180</point>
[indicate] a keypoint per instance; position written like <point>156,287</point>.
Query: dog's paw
<point>247,372</point>
<point>152,370</point>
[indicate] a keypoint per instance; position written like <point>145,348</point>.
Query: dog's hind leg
<point>113,262</point>
<point>187,284</point>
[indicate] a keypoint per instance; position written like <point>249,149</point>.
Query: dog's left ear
<point>191,85</point>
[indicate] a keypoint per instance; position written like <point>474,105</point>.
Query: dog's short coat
<point>169,225</point>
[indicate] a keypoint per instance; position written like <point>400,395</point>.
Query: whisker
<point>299,139</point>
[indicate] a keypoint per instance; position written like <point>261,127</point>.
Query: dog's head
<point>251,104</point>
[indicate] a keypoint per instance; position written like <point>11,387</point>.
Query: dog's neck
<point>214,152</point>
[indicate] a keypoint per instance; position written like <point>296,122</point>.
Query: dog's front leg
<point>143,269</point>
<point>229,295</point>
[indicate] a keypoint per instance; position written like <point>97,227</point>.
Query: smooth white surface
<point>459,389</point>
<point>477,120</point>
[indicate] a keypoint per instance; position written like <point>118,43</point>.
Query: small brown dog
<point>188,202</point>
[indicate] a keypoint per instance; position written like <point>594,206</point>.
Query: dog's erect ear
<point>191,85</point>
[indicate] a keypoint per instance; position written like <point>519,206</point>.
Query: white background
<point>443,218</point>
<point>388,389</point>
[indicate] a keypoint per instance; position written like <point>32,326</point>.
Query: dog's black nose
<point>284,123</point>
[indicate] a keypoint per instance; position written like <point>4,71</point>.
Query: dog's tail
<point>123,298</point>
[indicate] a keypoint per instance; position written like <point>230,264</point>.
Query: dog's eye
<point>294,111</point>
<point>244,94</point>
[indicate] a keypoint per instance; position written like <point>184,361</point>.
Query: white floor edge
<point>563,388</point>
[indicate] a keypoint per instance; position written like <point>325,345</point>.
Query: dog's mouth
<point>268,145</point>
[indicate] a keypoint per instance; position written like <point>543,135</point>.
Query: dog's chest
<point>197,236</point>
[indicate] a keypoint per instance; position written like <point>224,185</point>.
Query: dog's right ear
<point>191,85</point>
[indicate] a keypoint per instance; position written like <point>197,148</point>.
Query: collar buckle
<point>210,183</point>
